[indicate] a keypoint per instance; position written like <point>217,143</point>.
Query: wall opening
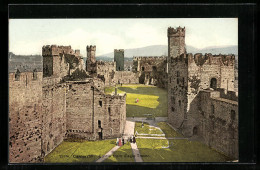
<point>100,103</point>
<point>233,115</point>
<point>99,123</point>
<point>195,130</point>
<point>17,75</point>
<point>109,111</point>
<point>154,68</point>
<point>142,68</point>
<point>213,83</point>
<point>34,74</point>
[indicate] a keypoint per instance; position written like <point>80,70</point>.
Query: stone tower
<point>177,77</point>
<point>52,59</point>
<point>176,41</point>
<point>91,59</point>
<point>119,59</point>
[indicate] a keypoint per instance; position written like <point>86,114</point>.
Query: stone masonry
<point>46,108</point>
<point>201,97</point>
<point>66,100</point>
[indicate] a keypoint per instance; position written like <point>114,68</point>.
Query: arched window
<point>142,68</point>
<point>17,75</point>
<point>195,130</point>
<point>213,83</point>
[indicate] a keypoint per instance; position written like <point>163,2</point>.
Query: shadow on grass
<point>179,151</point>
<point>121,156</point>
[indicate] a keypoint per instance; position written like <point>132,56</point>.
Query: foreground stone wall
<point>215,122</point>
<point>25,118</point>
<point>91,114</point>
<point>54,111</point>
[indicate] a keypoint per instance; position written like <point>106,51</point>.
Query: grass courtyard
<point>84,151</point>
<point>152,100</point>
<point>123,154</point>
<point>176,150</point>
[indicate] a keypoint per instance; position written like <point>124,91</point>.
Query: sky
<point>27,36</point>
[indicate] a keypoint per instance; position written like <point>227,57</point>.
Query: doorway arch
<point>213,83</point>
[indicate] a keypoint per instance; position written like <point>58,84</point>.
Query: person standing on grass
<point>120,142</point>
<point>123,141</point>
<point>133,139</point>
<point>116,141</point>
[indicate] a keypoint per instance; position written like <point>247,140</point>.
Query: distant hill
<point>159,50</point>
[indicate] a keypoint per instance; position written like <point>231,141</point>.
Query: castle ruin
<point>201,97</point>
<point>66,100</point>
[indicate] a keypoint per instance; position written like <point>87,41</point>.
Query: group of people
<point>132,139</point>
<point>121,141</point>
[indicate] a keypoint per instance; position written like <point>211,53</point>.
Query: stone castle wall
<point>151,70</point>
<point>54,120</point>
<point>87,106</point>
<point>215,121</point>
<point>201,97</point>
<point>25,117</point>
<point>45,111</point>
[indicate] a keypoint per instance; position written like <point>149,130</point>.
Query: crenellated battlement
<point>144,58</point>
<point>207,58</point>
<point>48,50</point>
<point>176,32</point>
<point>91,48</point>
<point>119,50</point>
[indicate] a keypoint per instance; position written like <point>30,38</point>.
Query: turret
<point>176,41</point>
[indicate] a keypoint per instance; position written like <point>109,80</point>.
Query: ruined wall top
<point>207,58</point>
<point>119,50</point>
<point>176,32</point>
<point>91,48</point>
<point>56,50</point>
<point>143,58</point>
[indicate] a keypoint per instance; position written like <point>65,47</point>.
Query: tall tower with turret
<point>176,41</point>
<point>119,59</point>
<point>177,77</point>
<point>91,59</point>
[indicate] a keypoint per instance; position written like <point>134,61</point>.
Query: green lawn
<point>147,129</point>
<point>123,154</point>
<point>152,100</point>
<point>179,151</point>
<point>169,132</point>
<point>85,151</point>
